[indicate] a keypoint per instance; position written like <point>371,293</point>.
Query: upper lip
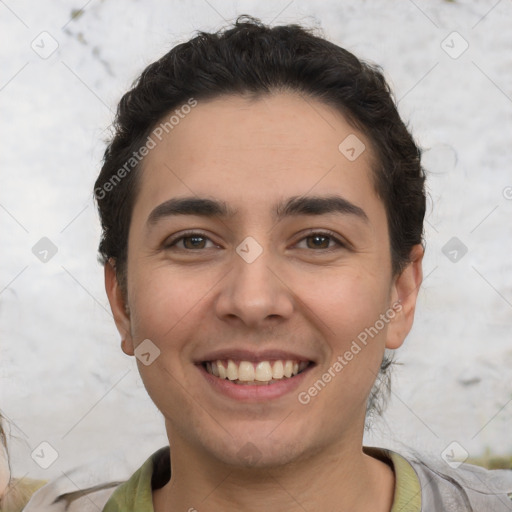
<point>251,355</point>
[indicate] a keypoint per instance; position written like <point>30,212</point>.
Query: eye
<point>190,241</point>
<point>321,240</point>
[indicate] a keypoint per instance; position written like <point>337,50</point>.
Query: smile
<point>255,373</point>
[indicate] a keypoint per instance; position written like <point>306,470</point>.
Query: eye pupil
<point>194,242</point>
<point>319,241</point>
<point>315,241</point>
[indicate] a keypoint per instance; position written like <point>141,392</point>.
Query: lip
<point>252,356</point>
<point>254,393</point>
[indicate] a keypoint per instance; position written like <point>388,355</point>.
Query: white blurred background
<point>63,377</point>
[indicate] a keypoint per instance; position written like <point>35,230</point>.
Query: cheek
<point>345,302</point>
<point>160,302</point>
<point>344,381</point>
<point>348,310</point>
<point>162,309</point>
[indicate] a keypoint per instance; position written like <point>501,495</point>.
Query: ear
<point>404,293</point>
<point>119,307</point>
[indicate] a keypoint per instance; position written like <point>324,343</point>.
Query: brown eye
<point>325,241</point>
<point>190,241</point>
<point>318,241</point>
<point>194,242</point>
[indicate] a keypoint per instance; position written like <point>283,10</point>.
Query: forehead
<point>257,151</point>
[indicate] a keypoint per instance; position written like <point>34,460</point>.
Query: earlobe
<point>119,307</point>
<point>126,347</point>
<point>404,295</point>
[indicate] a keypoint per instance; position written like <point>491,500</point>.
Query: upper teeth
<point>262,371</point>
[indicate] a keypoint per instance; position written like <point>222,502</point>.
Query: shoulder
<point>465,487</point>
<point>18,493</point>
<point>85,489</point>
<point>136,494</point>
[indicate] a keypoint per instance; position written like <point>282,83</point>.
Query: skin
<point>297,296</point>
<point>4,471</point>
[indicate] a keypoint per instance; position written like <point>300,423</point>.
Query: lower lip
<point>255,393</point>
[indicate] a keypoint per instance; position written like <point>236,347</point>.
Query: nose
<point>255,293</point>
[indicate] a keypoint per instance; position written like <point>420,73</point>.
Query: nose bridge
<point>252,291</point>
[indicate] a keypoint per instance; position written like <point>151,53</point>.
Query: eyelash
<point>188,234</point>
<point>326,234</point>
<point>192,234</point>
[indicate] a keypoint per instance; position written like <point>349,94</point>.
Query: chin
<point>263,453</point>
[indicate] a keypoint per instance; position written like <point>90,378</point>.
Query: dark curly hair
<point>253,59</point>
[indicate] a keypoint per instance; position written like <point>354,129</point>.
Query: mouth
<point>255,373</point>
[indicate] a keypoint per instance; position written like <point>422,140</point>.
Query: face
<point>256,249</point>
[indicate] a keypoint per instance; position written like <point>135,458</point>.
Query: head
<point>281,136</point>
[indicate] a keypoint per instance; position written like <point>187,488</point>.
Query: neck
<point>340,478</point>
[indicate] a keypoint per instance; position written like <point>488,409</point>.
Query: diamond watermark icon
<point>44,250</point>
<point>352,147</point>
<point>454,454</point>
<point>249,453</point>
<point>454,45</point>
<point>44,45</point>
<point>147,352</point>
<point>454,249</point>
<point>44,455</point>
<point>249,249</point>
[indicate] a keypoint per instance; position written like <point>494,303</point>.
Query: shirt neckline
<point>137,492</point>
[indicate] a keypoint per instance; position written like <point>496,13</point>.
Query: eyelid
<point>327,233</point>
<point>174,239</point>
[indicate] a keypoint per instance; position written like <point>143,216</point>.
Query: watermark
<point>304,397</point>
<point>146,352</point>
<point>44,45</point>
<point>454,454</point>
<point>44,455</point>
<point>507,192</point>
<point>156,135</point>
<point>352,147</point>
<point>454,249</point>
<point>454,45</point>
<point>249,249</point>
<point>44,250</point>
<point>249,453</point>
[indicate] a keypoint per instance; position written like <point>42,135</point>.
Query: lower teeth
<point>254,382</point>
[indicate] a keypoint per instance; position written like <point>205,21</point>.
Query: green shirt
<point>136,493</point>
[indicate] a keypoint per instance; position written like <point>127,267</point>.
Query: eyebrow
<point>294,206</point>
<point>319,205</point>
<point>190,206</point>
